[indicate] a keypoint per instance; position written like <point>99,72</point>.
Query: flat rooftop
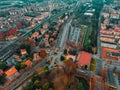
<point>84,58</point>
<point>110,53</point>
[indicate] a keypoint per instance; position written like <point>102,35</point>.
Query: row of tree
<point>58,79</point>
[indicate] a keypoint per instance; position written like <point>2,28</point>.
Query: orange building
<point>84,58</point>
<point>12,73</point>
<point>28,63</point>
<point>108,53</point>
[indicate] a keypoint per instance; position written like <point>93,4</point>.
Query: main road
<point>63,39</point>
<point>61,45</point>
<point>25,75</point>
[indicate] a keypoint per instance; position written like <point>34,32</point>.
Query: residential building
<point>84,58</point>
<point>12,73</point>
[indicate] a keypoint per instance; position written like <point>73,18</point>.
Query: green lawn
<point>87,37</point>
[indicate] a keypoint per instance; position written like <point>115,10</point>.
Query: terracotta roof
<point>16,56</point>
<point>1,72</point>
<point>47,36</point>
<point>45,26</point>
<point>105,50</point>
<point>23,51</point>
<point>35,54</point>
<point>114,14</point>
<point>11,71</point>
<point>35,34</point>
<point>54,33</point>
<point>105,14</point>
<point>109,37</point>
<point>84,58</point>
<point>28,62</point>
<point>42,31</point>
<point>52,39</point>
<point>1,36</point>
<point>10,32</point>
<point>117,27</point>
<point>19,25</point>
<point>46,43</point>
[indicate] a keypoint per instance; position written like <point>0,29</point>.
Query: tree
<point>60,82</point>
<point>102,19</point>
<point>36,77</point>
<point>103,73</point>
<point>53,23</point>
<point>40,0</point>
<point>73,52</point>
<point>79,46</point>
<point>27,47</point>
<point>20,65</point>
<point>86,67</point>
<point>29,41</point>
<point>3,66</point>
<point>36,83</point>
<point>109,1</point>
<point>23,65</point>
<point>2,79</point>
<point>80,86</point>
<point>41,45</point>
<point>46,86</point>
<point>70,69</point>
<point>46,70</point>
<point>30,86</point>
<point>43,53</point>
<point>4,13</point>
<point>36,39</point>
<point>62,58</point>
<point>94,50</point>
<point>93,65</point>
<point>65,51</point>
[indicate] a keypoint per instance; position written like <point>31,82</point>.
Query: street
<point>61,45</point>
<point>26,75</point>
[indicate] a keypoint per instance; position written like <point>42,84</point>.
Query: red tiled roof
<point>84,58</point>
<point>42,31</point>
<point>107,37</point>
<point>10,32</point>
<point>46,43</point>
<point>52,39</point>
<point>1,36</point>
<point>1,72</point>
<point>23,51</point>
<point>11,71</point>
<point>28,63</point>
<point>47,36</point>
<point>19,25</point>
<point>116,30</point>
<point>105,50</point>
